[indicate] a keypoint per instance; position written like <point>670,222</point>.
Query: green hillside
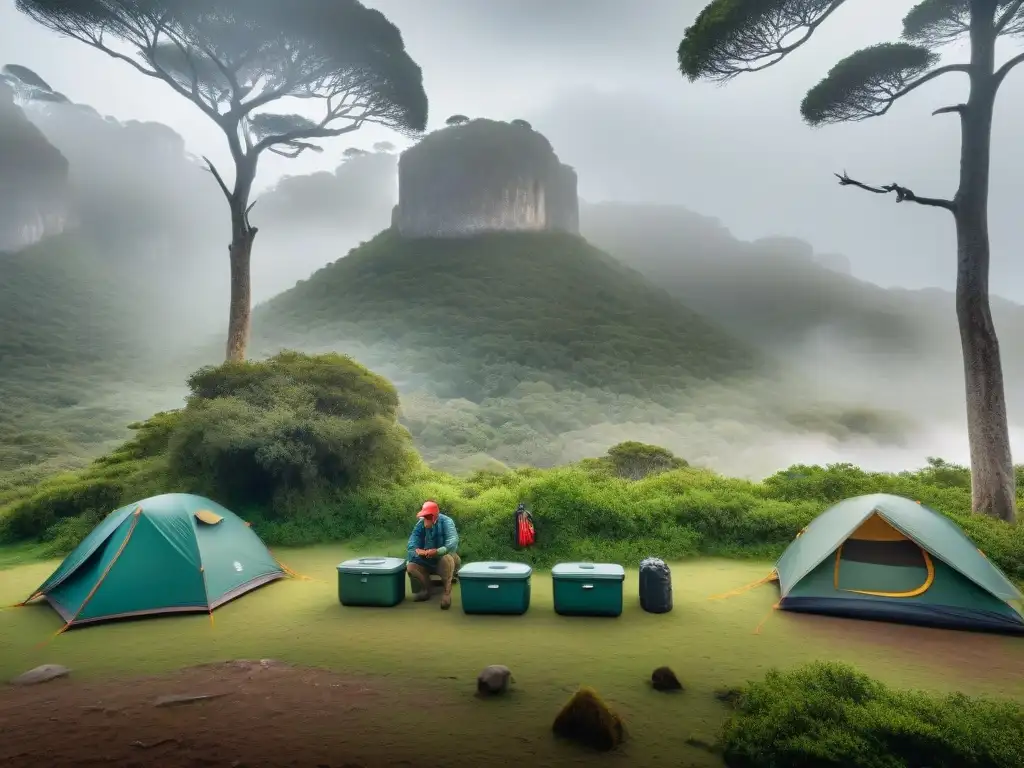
<point>85,348</point>
<point>61,340</point>
<point>475,317</point>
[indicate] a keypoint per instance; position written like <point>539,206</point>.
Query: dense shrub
<point>252,432</point>
<point>827,714</point>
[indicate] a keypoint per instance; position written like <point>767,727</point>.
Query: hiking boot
<point>422,596</point>
<point>446,602</point>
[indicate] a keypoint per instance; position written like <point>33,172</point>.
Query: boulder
<point>493,680</point>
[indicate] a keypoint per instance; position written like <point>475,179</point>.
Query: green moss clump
<point>587,720</point>
<point>827,714</point>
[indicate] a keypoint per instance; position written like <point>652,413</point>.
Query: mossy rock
<point>587,720</point>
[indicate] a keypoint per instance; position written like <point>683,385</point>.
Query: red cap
<point>429,509</point>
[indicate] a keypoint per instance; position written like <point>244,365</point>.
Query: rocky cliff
<point>484,176</point>
<point>33,179</point>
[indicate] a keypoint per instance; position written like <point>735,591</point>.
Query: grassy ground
<point>710,645</point>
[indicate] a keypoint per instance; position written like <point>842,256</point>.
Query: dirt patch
<point>257,714</point>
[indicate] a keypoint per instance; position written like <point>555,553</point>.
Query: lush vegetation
<point>477,316</point>
<point>64,339</point>
<point>309,449</point>
<point>827,714</point>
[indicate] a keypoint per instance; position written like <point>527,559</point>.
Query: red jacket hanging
<point>525,533</point>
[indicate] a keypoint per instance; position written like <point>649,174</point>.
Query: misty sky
<point>599,78</point>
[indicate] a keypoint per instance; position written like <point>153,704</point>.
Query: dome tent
<point>886,557</point>
<point>174,553</point>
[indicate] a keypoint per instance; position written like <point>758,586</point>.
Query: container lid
<point>373,565</point>
<point>607,571</point>
<point>495,570</point>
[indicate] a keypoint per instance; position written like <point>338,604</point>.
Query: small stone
<point>493,680</point>
<point>179,699</point>
<point>43,674</point>
<point>664,679</point>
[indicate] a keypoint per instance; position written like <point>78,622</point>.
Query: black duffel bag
<point>655,586</point>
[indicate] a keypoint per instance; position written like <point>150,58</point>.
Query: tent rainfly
<point>888,558</point>
<point>174,553</point>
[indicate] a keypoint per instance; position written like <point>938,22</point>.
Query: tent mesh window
<point>900,553</point>
<point>879,560</point>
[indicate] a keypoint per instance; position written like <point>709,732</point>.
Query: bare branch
<point>958,108</point>
<point>245,217</point>
<point>295,148</point>
<point>965,68</point>
<point>220,181</point>
<point>1004,70</point>
<point>295,137</point>
<point>902,193</point>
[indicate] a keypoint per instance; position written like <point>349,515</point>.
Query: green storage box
<point>492,587</point>
<point>378,581</point>
<point>588,589</point>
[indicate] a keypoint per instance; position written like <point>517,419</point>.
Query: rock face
<point>484,176</point>
<point>33,179</point>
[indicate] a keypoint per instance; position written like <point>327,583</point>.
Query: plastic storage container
<point>588,589</point>
<point>655,586</point>
<point>492,587</point>
<point>377,581</point>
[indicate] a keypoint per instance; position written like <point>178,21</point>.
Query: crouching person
<point>433,548</point>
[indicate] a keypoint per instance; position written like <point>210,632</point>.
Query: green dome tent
<point>889,558</point>
<point>174,553</point>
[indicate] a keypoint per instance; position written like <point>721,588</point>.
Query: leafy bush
<point>254,431</point>
<point>827,714</point>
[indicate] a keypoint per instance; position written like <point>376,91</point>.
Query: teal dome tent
<point>888,558</point>
<point>174,553</point>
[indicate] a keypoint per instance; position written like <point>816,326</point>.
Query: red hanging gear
<point>525,534</point>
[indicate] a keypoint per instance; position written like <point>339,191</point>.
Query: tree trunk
<point>993,484</point>
<point>240,256</point>
<point>240,307</point>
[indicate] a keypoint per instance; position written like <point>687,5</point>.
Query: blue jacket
<point>442,536</point>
